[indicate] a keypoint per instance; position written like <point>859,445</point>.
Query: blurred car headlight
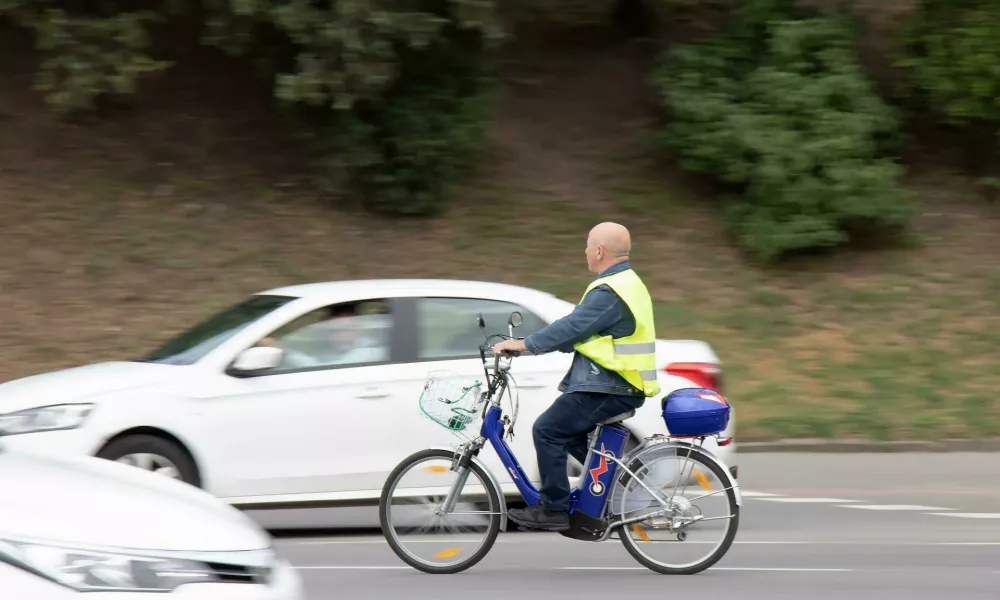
<point>44,418</point>
<point>109,571</point>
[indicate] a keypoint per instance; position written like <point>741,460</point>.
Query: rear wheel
<point>419,532</point>
<point>688,539</point>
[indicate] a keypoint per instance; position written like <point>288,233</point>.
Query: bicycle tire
<point>383,506</point>
<point>630,544</point>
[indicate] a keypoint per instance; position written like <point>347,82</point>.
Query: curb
<point>844,446</point>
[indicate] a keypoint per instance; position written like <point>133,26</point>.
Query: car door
<point>316,423</point>
<point>446,338</point>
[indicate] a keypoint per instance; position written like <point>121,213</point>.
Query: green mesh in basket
<point>450,405</point>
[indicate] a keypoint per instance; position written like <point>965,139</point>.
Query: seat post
<point>592,446</point>
<point>597,434</point>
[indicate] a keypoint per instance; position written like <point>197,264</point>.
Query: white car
<point>69,526</point>
<point>321,422</point>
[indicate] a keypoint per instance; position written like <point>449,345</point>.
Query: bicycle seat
<point>618,418</point>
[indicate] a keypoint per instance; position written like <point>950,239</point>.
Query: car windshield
<point>190,346</point>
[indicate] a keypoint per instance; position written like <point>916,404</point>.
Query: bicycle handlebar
<point>487,349</point>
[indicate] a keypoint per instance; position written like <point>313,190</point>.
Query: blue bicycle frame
<point>588,500</point>
<point>590,495</point>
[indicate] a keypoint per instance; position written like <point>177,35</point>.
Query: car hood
<point>95,502</point>
<point>78,383</point>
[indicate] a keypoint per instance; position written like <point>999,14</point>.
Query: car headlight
<point>93,571</point>
<point>44,418</point>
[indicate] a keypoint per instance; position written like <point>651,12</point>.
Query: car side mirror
<point>480,322</point>
<point>258,358</point>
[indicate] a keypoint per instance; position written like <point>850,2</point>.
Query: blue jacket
<point>601,312</point>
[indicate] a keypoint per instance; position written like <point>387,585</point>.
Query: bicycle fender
<point>651,444</point>
<point>493,481</point>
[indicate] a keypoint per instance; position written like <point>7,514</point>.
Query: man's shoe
<point>536,517</point>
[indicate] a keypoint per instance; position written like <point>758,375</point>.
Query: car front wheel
<point>152,453</point>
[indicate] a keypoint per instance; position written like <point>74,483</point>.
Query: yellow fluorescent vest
<point>633,357</point>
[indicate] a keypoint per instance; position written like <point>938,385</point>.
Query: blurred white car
<point>325,419</point>
<point>69,526</point>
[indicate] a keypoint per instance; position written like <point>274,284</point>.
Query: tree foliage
<point>951,53</point>
<point>90,51</point>
<point>779,107</point>
<point>377,76</point>
<point>401,151</point>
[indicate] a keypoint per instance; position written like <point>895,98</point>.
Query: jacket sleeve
<point>600,309</point>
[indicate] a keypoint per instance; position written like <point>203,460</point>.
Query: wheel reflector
<point>639,531</point>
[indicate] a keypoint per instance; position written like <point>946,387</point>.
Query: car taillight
<point>706,375</point>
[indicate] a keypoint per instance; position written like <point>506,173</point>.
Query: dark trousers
<point>562,430</point>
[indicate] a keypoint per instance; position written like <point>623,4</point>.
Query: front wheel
<point>439,521</point>
<point>701,523</point>
<point>153,453</point>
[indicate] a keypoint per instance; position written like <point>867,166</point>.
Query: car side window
<point>339,335</point>
<point>448,327</point>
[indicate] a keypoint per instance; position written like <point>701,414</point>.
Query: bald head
<point>608,244</point>
<point>614,237</point>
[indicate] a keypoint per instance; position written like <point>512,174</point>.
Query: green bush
<point>87,55</point>
<point>779,108</point>
<point>951,50</point>
<point>392,94</point>
<point>395,86</point>
<point>402,152</point>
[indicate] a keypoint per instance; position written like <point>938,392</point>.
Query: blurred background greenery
<point>812,186</point>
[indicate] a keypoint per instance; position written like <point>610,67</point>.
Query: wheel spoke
<point>149,461</point>
<point>171,472</point>
<point>695,530</point>
<point>435,542</point>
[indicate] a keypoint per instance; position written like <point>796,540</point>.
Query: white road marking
<point>968,515</point>
<point>540,539</point>
<point>404,567</point>
<point>351,567</point>
<point>793,569</point>
<point>968,544</point>
<point>378,541</point>
<point>893,507</point>
<point>759,494</point>
<point>810,500</point>
<point>790,569</point>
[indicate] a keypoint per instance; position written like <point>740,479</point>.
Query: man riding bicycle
<point>612,335</point>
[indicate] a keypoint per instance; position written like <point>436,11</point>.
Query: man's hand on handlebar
<point>509,347</point>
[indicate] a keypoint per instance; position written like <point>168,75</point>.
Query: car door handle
<point>373,396</point>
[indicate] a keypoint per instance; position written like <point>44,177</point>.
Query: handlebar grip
<point>488,351</point>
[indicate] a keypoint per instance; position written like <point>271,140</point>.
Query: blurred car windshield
<point>190,346</point>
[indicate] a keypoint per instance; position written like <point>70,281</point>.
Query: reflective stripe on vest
<point>635,348</point>
<point>633,357</point>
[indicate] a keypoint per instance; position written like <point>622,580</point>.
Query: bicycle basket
<point>448,403</point>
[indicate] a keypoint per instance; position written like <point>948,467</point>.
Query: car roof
<point>402,287</point>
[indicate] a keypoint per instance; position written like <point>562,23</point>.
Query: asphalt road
<point>816,526</point>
